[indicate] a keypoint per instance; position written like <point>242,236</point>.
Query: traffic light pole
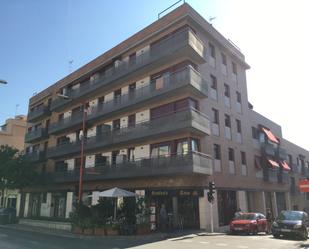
<point>211,219</point>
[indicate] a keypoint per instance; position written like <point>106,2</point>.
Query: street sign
<point>303,186</point>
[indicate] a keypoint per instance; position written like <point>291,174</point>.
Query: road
<point>17,239</point>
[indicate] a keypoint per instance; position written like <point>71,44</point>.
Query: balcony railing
<point>282,154</point>
<point>284,177</point>
<point>268,149</point>
<point>185,120</point>
<point>36,135</point>
<point>37,113</point>
<point>35,156</point>
<point>294,167</point>
<point>191,163</point>
<point>270,175</point>
<point>181,43</point>
<point>185,80</point>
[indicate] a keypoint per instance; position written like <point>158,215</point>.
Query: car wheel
<point>276,235</point>
<point>304,235</point>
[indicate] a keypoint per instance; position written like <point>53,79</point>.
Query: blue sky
<point>39,38</point>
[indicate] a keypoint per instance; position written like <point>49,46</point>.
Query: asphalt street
<point>18,239</point>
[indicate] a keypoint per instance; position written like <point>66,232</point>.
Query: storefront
<point>181,206</point>
<point>227,206</point>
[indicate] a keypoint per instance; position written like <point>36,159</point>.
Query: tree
<point>15,171</point>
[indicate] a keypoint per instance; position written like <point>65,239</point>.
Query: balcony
<point>34,136</point>
<point>188,120</point>
<point>282,154</point>
<point>186,80</point>
<point>192,163</point>
<point>38,113</point>
<point>184,44</point>
<point>294,168</point>
<point>268,149</point>
<point>270,175</point>
<point>35,156</point>
<point>284,177</point>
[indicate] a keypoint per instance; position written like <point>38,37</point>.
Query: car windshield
<point>246,217</point>
<point>290,216</point>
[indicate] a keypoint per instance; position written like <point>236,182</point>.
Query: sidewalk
<point>67,234</point>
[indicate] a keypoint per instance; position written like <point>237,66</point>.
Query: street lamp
<point>81,169</point>
<point>3,82</point>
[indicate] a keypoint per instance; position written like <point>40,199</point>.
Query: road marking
<point>243,247</point>
<point>221,244</point>
<point>204,242</point>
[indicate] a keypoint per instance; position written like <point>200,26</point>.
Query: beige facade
<point>13,132</point>
<point>167,112</point>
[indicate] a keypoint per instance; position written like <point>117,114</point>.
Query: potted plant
<point>112,228</point>
<point>87,226</point>
<point>80,218</point>
<point>99,230</point>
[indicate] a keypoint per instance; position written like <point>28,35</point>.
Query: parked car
<point>249,223</point>
<point>8,215</point>
<point>294,223</point>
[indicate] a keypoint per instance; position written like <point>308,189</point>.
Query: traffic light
<point>211,192</point>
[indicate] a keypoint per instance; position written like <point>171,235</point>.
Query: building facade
<point>166,112</point>
<point>12,133</point>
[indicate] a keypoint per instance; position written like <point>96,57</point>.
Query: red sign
<point>303,186</point>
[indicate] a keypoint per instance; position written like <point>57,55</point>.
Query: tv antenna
<point>211,19</point>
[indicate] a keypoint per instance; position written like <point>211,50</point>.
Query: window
<point>132,87</point>
<point>217,152</point>
<point>117,94</point>
<point>223,57</point>
<point>61,116</point>
<point>100,160</point>
<point>131,120</point>
<point>243,158</point>
<point>290,159</point>
<point>213,82</point>
<point>255,133</point>
<point>226,90</point>
<point>238,97</point>
<point>231,155</point>
<point>116,124</point>
<point>182,147</point>
<point>238,125</point>
<point>161,150</point>
<point>194,144</point>
<point>212,50</point>
<point>131,154</point>
<point>227,121</point>
<point>215,118</point>
<point>234,68</point>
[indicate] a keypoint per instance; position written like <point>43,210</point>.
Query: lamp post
<point>81,169</point>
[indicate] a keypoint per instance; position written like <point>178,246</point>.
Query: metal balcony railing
<point>36,135</point>
<point>186,79</point>
<point>191,163</point>
<point>268,149</point>
<point>37,113</point>
<point>167,47</point>
<point>185,120</point>
<point>35,156</point>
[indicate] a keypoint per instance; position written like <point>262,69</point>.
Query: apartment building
<point>12,133</point>
<point>166,111</point>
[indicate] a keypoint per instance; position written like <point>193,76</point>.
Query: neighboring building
<point>12,133</point>
<point>167,112</point>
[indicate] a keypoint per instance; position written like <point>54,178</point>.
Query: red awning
<point>285,166</point>
<point>303,186</point>
<point>270,135</point>
<point>273,163</point>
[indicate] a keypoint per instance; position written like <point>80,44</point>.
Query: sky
<point>39,38</point>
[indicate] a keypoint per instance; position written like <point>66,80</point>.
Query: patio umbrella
<point>115,193</point>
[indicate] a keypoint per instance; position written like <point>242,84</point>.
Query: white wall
<point>109,97</point>
<point>90,160</point>
<point>142,151</point>
<point>143,82</point>
<point>69,204</point>
<point>72,137</point>
<point>70,163</point>
<point>142,116</point>
<point>124,122</point>
<point>92,131</point>
<point>67,114</point>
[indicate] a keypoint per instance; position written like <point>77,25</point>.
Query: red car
<point>249,223</point>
